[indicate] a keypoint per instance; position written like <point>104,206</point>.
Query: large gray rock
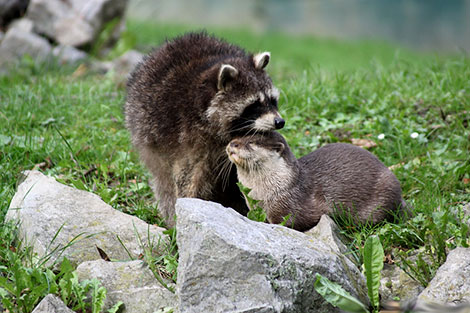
<point>327,231</point>
<point>74,22</point>
<point>18,43</point>
<point>231,264</point>
<point>24,24</point>
<point>69,54</point>
<point>395,283</point>
<point>51,304</point>
<point>132,282</point>
<point>452,281</point>
<point>53,215</point>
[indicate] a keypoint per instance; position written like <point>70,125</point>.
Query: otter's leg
<point>163,184</point>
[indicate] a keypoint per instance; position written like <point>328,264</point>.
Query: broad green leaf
<point>373,264</point>
<point>337,296</point>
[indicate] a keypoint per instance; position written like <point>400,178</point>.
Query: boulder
<point>131,282</point>
<point>229,263</point>
<point>74,22</point>
<point>69,54</point>
<point>327,231</point>
<point>24,24</point>
<point>397,285</point>
<point>58,220</point>
<point>452,281</point>
<point>124,64</point>
<point>18,43</point>
<point>51,304</point>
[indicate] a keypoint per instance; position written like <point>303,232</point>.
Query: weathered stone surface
<point>24,24</point>
<point>52,304</point>
<point>69,54</point>
<point>46,208</point>
<point>327,231</point>
<point>11,9</point>
<point>124,64</point>
<point>231,264</point>
<point>395,283</point>
<point>131,282</point>
<point>74,22</point>
<point>452,281</point>
<point>18,43</point>
<point>2,35</point>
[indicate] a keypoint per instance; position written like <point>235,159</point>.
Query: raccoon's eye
<point>273,102</point>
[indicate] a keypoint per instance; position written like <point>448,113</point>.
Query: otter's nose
<point>279,122</point>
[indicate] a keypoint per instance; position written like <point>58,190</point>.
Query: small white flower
<point>414,135</point>
<point>381,136</point>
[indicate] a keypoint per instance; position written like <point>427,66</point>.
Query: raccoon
<point>185,102</point>
<point>335,178</point>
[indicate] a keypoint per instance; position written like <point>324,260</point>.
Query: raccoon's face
<point>245,101</point>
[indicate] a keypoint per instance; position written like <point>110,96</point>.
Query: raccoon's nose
<point>279,122</point>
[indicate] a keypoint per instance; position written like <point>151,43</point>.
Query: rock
<point>52,216</point>
<point>327,231</point>
<point>452,281</point>
<point>132,282</point>
<point>74,22</point>
<point>51,304</point>
<point>69,54</point>
<point>73,31</point>
<point>18,43</point>
<point>11,9</point>
<point>24,24</point>
<point>466,211</point>
<point>124,64</point>
<point>229,263</point>
<point>395,283</point>
<point>2,35</point>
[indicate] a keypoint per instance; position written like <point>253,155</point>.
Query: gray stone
<point>452,281</point>
<point>51,304</point>
<point>124,64</point>
<point>228,263</point>
<point>327,231</point>
<point>397,285</point>
<point>74,22</point>
<point>18,43</point>
<point>132,282</point>
<point>2,35</point>
<point>24,24</point>
<point>69,54</point>
<point>52,216</point>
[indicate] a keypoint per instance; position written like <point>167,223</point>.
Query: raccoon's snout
<point>279,122</point>
<point>234,144</point>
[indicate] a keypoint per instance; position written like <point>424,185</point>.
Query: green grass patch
<point>69,124</point>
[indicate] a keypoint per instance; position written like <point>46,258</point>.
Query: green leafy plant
<point>256,213</point>
<point>337,296</point>
<point>373,256</point>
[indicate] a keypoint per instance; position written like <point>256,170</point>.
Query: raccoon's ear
<point>227,73</point>
<point>261,60</point>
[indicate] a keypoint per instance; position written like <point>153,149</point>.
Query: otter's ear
<point>227,74</point>
<point>261,60</point>
<point>279,147</point>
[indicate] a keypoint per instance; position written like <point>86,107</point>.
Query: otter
<point>185,102</point>
<point>336,178</point>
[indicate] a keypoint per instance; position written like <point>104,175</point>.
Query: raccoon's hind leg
<point>163,185</point>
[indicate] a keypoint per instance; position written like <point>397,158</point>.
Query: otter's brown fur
<point>335,176</point>
<point>185,102</point>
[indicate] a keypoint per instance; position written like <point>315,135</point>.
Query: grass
<point>68,123</point>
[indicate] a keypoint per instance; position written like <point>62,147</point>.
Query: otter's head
<point>245,100</point>
<point>264,162</point>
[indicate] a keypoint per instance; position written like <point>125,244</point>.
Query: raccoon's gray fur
<point>185,102</point>
<point>338,174</point>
